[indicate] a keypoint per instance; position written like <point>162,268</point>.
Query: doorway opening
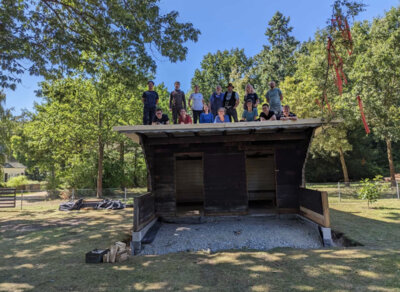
<point>261,184</point>
<point>189,185</point>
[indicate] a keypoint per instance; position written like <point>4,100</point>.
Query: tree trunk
<point>100,160</point>
<point>344,168</point>
<point>122,162</point>
<point>391,164</point>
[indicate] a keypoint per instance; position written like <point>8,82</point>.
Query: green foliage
<point>220,69</point>
<point>17,181</point>
<point>376,74</point>
<point>276,61</point>
<point>59,37</point>
<point>371,190</point>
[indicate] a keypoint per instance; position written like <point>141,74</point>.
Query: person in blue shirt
<point>150,100</point>
<point>222,117</point>
<point>274,97</point>
<point>206,116</point>
<point>216,100</point>
<point>250,113</point>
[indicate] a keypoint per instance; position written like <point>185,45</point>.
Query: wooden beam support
<point>227,139</point>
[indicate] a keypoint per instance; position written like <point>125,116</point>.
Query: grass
<point>42,249</point>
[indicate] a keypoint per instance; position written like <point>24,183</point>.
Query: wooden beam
<point>227,139</point>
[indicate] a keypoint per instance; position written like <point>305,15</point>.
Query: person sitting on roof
<point>206,116</point>
<point>251,94</point>
<point>287,114</point>
<point>184,118</point>
<point>267,114</point>
<point>222,117</point>
<point>250,113</point>
<point>160,118</point>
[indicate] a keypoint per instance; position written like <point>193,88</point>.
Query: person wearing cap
<point>198,101</point>
<point>274,97</point>
<point>230,102</point>
<point>250,113</point>
<point>251,94</point>
<point>177,101</point>
<point>150,100</point>
<point>216,100</point>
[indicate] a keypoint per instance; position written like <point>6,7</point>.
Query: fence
<point>23,198</point>
<point>343,191</point>
<point>7,198</point>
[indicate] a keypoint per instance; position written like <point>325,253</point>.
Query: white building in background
<point>12,169</point>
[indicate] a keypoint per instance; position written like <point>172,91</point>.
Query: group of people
<point>220,109</point>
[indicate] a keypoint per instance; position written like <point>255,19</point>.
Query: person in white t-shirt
<point>198,102</point>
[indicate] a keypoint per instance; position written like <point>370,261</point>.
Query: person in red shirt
<point>184,118</point>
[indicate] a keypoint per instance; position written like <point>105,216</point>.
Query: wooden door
<point>225,183</point>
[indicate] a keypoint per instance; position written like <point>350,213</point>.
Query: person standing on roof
<point>274,97</point>
<point>150,100</point>
<point>198,101</point>
<point>216,100</point>
<point>230,102</point>
<point>177,101</point>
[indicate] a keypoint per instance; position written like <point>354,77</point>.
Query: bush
<point>372,189</point>
<point>17,181</point>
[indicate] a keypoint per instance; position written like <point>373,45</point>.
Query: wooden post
<point>397,190</point>
<point>125,194</point>
<point>338,185</point>
<point>22,197</point>
<point>325,208</point>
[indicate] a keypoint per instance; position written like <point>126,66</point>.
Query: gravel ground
<point>259,233</point>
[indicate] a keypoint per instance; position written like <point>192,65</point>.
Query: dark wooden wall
<point>224,164</point>
<point>225,183</point>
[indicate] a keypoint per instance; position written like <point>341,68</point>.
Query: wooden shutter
<point>260,178</point>
<point>189,180</point>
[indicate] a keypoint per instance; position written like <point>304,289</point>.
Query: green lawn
<point>43,249</point>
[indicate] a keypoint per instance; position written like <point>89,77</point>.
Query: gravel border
<point>224,233</point>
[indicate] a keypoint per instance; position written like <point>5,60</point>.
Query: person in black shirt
<point>251,94</point>
<point>160,118</point>
<point>267,114</point>
<point>287,114</point>
<point>150,100</point>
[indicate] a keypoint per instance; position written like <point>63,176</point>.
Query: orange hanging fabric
<point>360,105</point>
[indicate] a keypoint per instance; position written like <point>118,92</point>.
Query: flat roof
<point>190,130</point>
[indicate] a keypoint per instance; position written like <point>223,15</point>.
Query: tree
<point>6,127</point>
<point>307,84</point>
<point>59,36</point>
<point>371,190</point>
<point>276,61</point>
<point>377,75</point>
<point>220,69</point>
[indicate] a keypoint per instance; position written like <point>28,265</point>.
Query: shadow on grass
<point>369,232</point>
<point>52,258</point>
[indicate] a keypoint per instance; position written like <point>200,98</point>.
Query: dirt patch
<point>342,240</point>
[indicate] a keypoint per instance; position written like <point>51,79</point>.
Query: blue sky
<point>224,24</point>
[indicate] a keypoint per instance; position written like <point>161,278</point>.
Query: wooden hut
<point>227,169</point>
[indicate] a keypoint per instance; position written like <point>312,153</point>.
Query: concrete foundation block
<point>136,243</point>
<point>326,236</point>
